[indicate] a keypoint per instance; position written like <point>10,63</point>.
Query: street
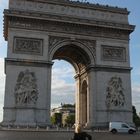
<point>59,135</point>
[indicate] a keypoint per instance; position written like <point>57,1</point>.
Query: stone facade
<point>92,37</point>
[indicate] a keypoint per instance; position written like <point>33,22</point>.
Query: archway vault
<point>73,51</point>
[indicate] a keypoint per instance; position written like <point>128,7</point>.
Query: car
<point>121,127</point>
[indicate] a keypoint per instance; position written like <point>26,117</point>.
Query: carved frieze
<point>26,91</point>
<point>55,40</point>
<point>112,53</point>
<point>115,93</point>
<point>91,44</point>
<point>30,46</point>
<point>73,51</point>
<point>70,28</point>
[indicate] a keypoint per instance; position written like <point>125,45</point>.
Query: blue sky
<point>66,84</point>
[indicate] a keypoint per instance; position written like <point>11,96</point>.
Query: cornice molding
<point>69,22</point>
<point>107,68</point>
<point>68,19</point>
<point>26,62</point>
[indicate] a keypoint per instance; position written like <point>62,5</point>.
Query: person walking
<point>79,135</point>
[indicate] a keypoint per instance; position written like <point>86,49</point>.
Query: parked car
<point>122,127</point>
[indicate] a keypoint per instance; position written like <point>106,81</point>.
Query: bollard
<point>57,128</point>
<point>8,127</point>
<point>67,128</point>
<point>27,126</point>
<point>37,128</point>
<point>47,128</point>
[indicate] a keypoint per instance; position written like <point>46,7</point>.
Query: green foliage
<point>68,105</point>
<point>56,119</point>
<point>70,120</point>
<point>136,118</point>
<point>53,121</point>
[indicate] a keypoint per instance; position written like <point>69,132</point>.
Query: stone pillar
<point>28,96</point>
<point>44,102</point>
<point>91,96</point>
<point>77,117</point>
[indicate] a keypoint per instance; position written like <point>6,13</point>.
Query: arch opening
<point>62,94</point>
<point>62,84</point>
<point>74,55</point>
<point>80,60</point>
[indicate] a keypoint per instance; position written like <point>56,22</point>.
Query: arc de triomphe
<point>93,38</point>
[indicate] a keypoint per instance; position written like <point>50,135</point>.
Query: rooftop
<point>85,4</point>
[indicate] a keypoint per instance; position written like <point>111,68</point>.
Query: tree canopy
<point>136,118</point>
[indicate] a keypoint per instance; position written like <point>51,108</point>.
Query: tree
<point>67,105</point>
<point>136,118</point>
<point>56,119</point>
<point>70,120</point>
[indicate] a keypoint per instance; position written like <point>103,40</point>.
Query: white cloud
<point>1,67</point>
<point>2,86</point>
<point>59,83</point>
<point>136,96</point>
<point>62,89</point>
<point>65,72</point>
<point>3,4</point>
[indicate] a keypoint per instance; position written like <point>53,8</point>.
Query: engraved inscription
<point>26,88</point>
<point>113,53</point>
<point>115,93</point>
<point>28,46</point>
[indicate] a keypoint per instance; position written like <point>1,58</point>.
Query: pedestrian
<point>80,135</point>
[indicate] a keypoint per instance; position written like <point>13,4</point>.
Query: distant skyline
<point>63,84</point>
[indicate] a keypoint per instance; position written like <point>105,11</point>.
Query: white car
<point>115,127</point>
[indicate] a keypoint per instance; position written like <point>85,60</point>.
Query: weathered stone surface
<point>93,38</point>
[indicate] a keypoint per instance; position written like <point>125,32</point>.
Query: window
<point>124,126</point>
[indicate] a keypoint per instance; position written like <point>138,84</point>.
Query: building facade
<point>66,110</point>
<point>93,38</point>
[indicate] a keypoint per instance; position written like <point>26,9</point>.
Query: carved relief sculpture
<point>93,38</point>
<point>26,88</point>
<point>28,46</point>
<point>115,96</point>
<point>112,53</point>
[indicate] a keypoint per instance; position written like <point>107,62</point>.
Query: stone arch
<point>73,45</point>
<point>80,57</point>
<point>36,38</point>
